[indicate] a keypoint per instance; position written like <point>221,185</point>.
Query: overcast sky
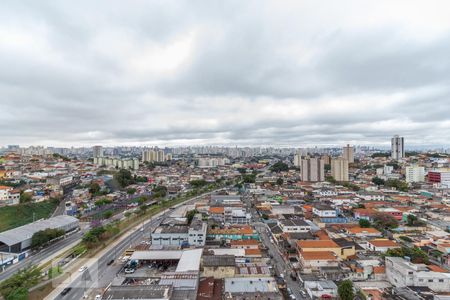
<point>224,72</point>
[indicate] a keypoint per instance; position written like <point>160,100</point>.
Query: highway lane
<point>80,287</point>
<point>37,257</point>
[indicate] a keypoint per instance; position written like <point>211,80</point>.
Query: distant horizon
<point>378,147</point>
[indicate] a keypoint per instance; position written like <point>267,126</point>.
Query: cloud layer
<point>224,72</point>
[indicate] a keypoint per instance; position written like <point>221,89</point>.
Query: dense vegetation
<point>198,183</point>
<point>279,166</point>
<point>18,215</point>
<point>384,221</point>
<point>42,237</point>
<point>363,223</point>
<point>99,233</point>
<point>16,287</point>
<point>159,191</point>
<point>380,154</point>
<point>416,254</point>
<point>124,178</point>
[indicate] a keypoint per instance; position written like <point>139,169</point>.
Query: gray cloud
<point>196,72</point>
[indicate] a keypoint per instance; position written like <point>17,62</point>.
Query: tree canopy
<point>384,221</point>
<point>279,166</point>
<point>345,290</point>
<point>363,223</point>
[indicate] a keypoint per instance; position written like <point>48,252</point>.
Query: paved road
<point>82,284</point>
<point>41,255</point>
<point>279,264</point>
<point>99,269</point>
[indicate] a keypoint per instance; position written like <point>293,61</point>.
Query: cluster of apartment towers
<point>313,168</point>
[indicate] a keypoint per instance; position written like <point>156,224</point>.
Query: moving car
<point>82,269</point>
<point>66,291</point>
<point>110,262</point>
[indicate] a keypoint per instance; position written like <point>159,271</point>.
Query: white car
<point>82,269</point>
<point>129,271</point>
<point>98,297</point>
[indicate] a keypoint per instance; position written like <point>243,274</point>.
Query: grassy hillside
<point>15,216</point>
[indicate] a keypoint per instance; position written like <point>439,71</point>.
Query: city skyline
<point>224,73</point>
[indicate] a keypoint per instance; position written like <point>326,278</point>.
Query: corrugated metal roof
<point>25,232</point>
<point>190,260</point>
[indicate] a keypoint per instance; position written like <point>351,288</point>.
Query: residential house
<point>382,245</point>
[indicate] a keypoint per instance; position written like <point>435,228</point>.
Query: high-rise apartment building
<point>348,153</point>
<point>397,147</point>
<point>414,174</point>
<point>326,159</point>
<point>339,169</point>
<point>97,151</point>
<point>312,169</point>
<point>154,156</point>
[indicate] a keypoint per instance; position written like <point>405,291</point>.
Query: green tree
<point>102,202</point>
<point>143,208</point>
<point>25,197</point>
<point>411,220</point>
<point>198,183</point>
<point>24,279</point>
<point>190,215</point>
<point>124,178</point>
<point>159,191</point>
<point>330,179</point>
<point>94,188</point>
<point>378,181</point>
<point>249,178</point>
<point>363,223</point>
<point>345,290</point>
<point>107,214</point>
<point>19,294</point>
<point>416,254</point>
<point>280,181</point>
<point>44,236</point>
<point>279,167</point>
<point>380,154</point>
<point>384,221</point>
<point>397,184</point>
<point>131,191</point>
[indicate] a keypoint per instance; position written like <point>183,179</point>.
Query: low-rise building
<point>219,266</point>
<point>321,289</point>
<point>402,273</point>
<point>294,225</point>
<point>324,211</point>
<point>382,245</point>
<point>312,261</point>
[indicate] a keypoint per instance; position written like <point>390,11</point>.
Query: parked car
<point>66,291</point>
<point>129,271</point>
<point>110,262</point>
<point>82,269</point>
